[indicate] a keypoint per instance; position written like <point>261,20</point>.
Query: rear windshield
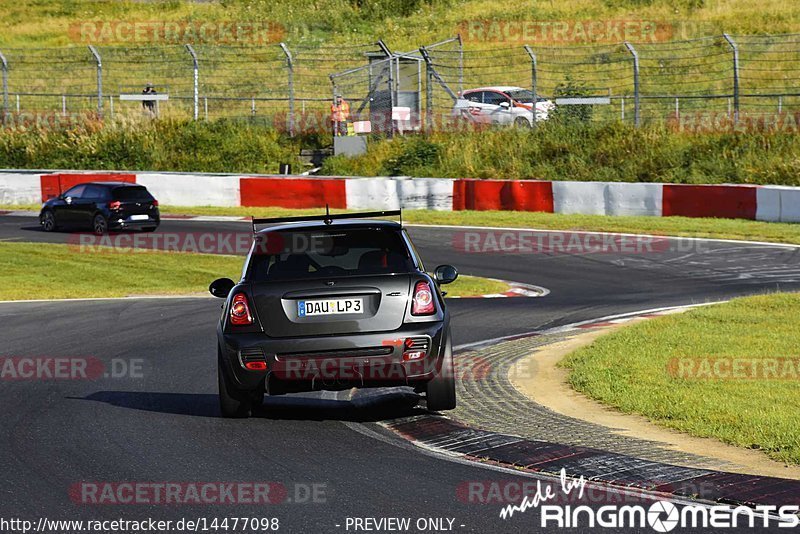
<point>297,255</point>
<point>132,193</point>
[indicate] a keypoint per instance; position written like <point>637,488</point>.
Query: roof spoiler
<point>328,217</point>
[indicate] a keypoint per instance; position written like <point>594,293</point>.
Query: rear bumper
<point>125,223</point>
<point>333,362</point>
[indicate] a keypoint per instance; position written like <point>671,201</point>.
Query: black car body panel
<point>123,205</point>
<point>371,264</point>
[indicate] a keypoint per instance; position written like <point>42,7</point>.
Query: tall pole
<point>99,62</point>
<point>534,75</point>
<point>290,68</point>
<point>428,97</point>
<point>196,69</point>
<point>637,117</point>
<point>460,64</point>
<point>5,84</point>
<point>735,49</point>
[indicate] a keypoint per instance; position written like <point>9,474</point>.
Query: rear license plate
<point>308,308</point>
<point>139,217</point>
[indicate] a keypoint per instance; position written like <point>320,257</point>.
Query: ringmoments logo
<point>658,516</point>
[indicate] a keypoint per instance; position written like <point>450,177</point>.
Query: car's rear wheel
<point>49,222</point>
<point>233,402</point>
<point>441,390</point>
<point>522,122</point>
<point>99,224</point>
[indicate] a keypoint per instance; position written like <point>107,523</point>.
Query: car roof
<point>109,184</point>
<point>336,223</point>
<point>495,88</point>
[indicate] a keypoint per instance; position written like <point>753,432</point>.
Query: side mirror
<point>221,287</point>
<point>444,274</point>
<point>68,200</point>
<point>505,105</point>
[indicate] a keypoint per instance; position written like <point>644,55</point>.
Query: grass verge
<point>668,226</point>
<point>37,271</point>
<point>660,368</point>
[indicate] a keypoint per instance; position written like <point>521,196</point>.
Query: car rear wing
<point>328,217</point>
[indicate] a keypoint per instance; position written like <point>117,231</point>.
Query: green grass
<point>466,286</point>
<point>587,152</point>
<point>628,370</point>
<point>738,229</point>
<point>404,22</point>
<point>614,152</point>
<point>667,226</point>
<point>36,271</point>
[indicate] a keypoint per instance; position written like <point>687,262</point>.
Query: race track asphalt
<point>160,423</point>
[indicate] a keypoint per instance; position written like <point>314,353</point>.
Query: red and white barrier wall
<point>764,203</point>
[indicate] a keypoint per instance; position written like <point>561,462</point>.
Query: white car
<point>501,105</point>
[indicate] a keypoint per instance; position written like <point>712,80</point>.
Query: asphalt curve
<point>160,423</point>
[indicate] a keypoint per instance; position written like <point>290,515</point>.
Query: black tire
<point>49,221</point>
<point>232,403</point>
<point>99,224</point>
<point>522,122</point>
<point>440,392</point>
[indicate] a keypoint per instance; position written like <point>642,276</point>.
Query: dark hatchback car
<point>101,206</point>
<point>331,303</point>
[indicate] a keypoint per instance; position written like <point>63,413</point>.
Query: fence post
<point>290,67</point>
<point>460,64</point>
<point>96,55</point>
<point>5,84</point>
<point>637,117</point>
<point>196,69</point>
<point>735,49</point>
<point>534,75</point>
<point>428,97</point>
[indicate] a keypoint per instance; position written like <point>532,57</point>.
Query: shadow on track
<point>377,408</point>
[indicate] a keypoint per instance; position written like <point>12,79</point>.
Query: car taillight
<point>115,205</point>
<point>422,304</point>
<point>240,311</point>
<point>155,203</point>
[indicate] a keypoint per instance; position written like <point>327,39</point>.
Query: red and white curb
<point>517,289</point>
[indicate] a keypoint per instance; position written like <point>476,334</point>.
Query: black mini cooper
<point>330,303</point>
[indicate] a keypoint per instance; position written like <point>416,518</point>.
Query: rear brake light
<point>155,203</point>
<point>256,366</point>
<point>422,304</point>
<point>115,205</point>
<point>240,311</point>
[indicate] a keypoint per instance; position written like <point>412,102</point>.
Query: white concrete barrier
<point>607,198</point>
<point>634,199</point>
<point>396,193</point>
<point>778,203</point>
<point>19,188</point>
<point>192,189</point>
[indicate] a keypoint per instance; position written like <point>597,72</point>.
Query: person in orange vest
<point>340,114</point>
